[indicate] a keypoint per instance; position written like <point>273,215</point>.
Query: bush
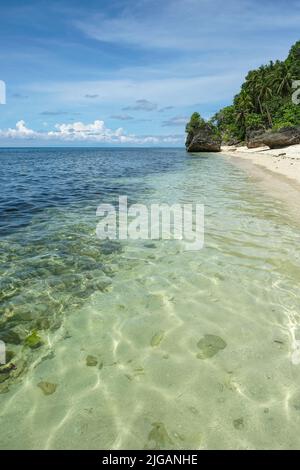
<point>254,122</point>
<point>196,122</point>
<point>287,116</point>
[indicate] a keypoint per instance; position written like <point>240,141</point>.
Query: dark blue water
<point>32,180</point>
<point>50,258</point>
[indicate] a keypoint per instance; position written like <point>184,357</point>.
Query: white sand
<point>285,161</point>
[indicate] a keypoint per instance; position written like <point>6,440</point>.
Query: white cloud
<point>20,131</point>
<point>95,132</point>
<point>189,25</point>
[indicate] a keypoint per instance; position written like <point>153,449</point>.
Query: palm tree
<point>243,105</point>
<point>282,79</point>
<point>263,91</point>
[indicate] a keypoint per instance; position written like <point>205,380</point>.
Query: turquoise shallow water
<point>145,345</point>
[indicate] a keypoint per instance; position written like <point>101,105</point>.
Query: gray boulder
<point>282,138</point>
<point>254,139</point>
<point>203,140</point>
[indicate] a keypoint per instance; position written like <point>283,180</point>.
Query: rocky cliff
<point>204,139</point>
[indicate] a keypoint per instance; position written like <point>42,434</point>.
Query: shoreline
<point>284,161</point>
<point>275,171</point>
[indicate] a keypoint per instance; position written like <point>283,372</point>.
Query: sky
<point>129,72</point>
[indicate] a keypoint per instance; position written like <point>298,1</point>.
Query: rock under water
<point>47,387</point>
<point>209,346</point>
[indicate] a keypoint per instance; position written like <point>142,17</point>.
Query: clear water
<point>141,314</point>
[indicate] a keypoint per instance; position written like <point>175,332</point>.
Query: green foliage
<point>224,117</point>
<point>265,100</point>
<point>254,121</point>
<point>227,123</point>
<point>287,116</point>
<point>293,61</point>
<point>196,122</point>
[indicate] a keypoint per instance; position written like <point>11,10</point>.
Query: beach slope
<point>284,161</point>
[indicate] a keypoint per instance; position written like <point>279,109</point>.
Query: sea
<point>143,344</point>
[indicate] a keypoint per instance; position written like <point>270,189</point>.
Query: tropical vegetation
<point>264,101</point>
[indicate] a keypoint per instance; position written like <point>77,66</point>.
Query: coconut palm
<point>282,79</point>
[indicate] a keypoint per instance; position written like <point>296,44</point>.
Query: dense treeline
<point>264,102</point>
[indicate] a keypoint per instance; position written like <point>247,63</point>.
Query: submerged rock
<point>4,376</point>
<point>10,337</point>
<point>19,367</point>
<point>47,387</point>
<point>209,346</point>
<point>238,423</point>
<point>43,323</point>
<point>110,247</point>
<point>157,339</point>
<point>91,361</point>
<point>33,340</point>
<point>158,437</point>
<point>150,245</point>
<point>9,356</point>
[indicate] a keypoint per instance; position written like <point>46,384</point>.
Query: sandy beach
<point>284,161</point>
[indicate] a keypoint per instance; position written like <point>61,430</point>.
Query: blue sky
<point>129,72</point>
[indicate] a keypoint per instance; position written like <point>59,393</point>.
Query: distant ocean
<point>125,345</point>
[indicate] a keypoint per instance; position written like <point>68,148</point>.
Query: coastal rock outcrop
<point>203,140</point>
<point>254,139</point>
<point>282,138</point>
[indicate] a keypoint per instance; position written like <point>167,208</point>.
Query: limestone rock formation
<point>203,140</point>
